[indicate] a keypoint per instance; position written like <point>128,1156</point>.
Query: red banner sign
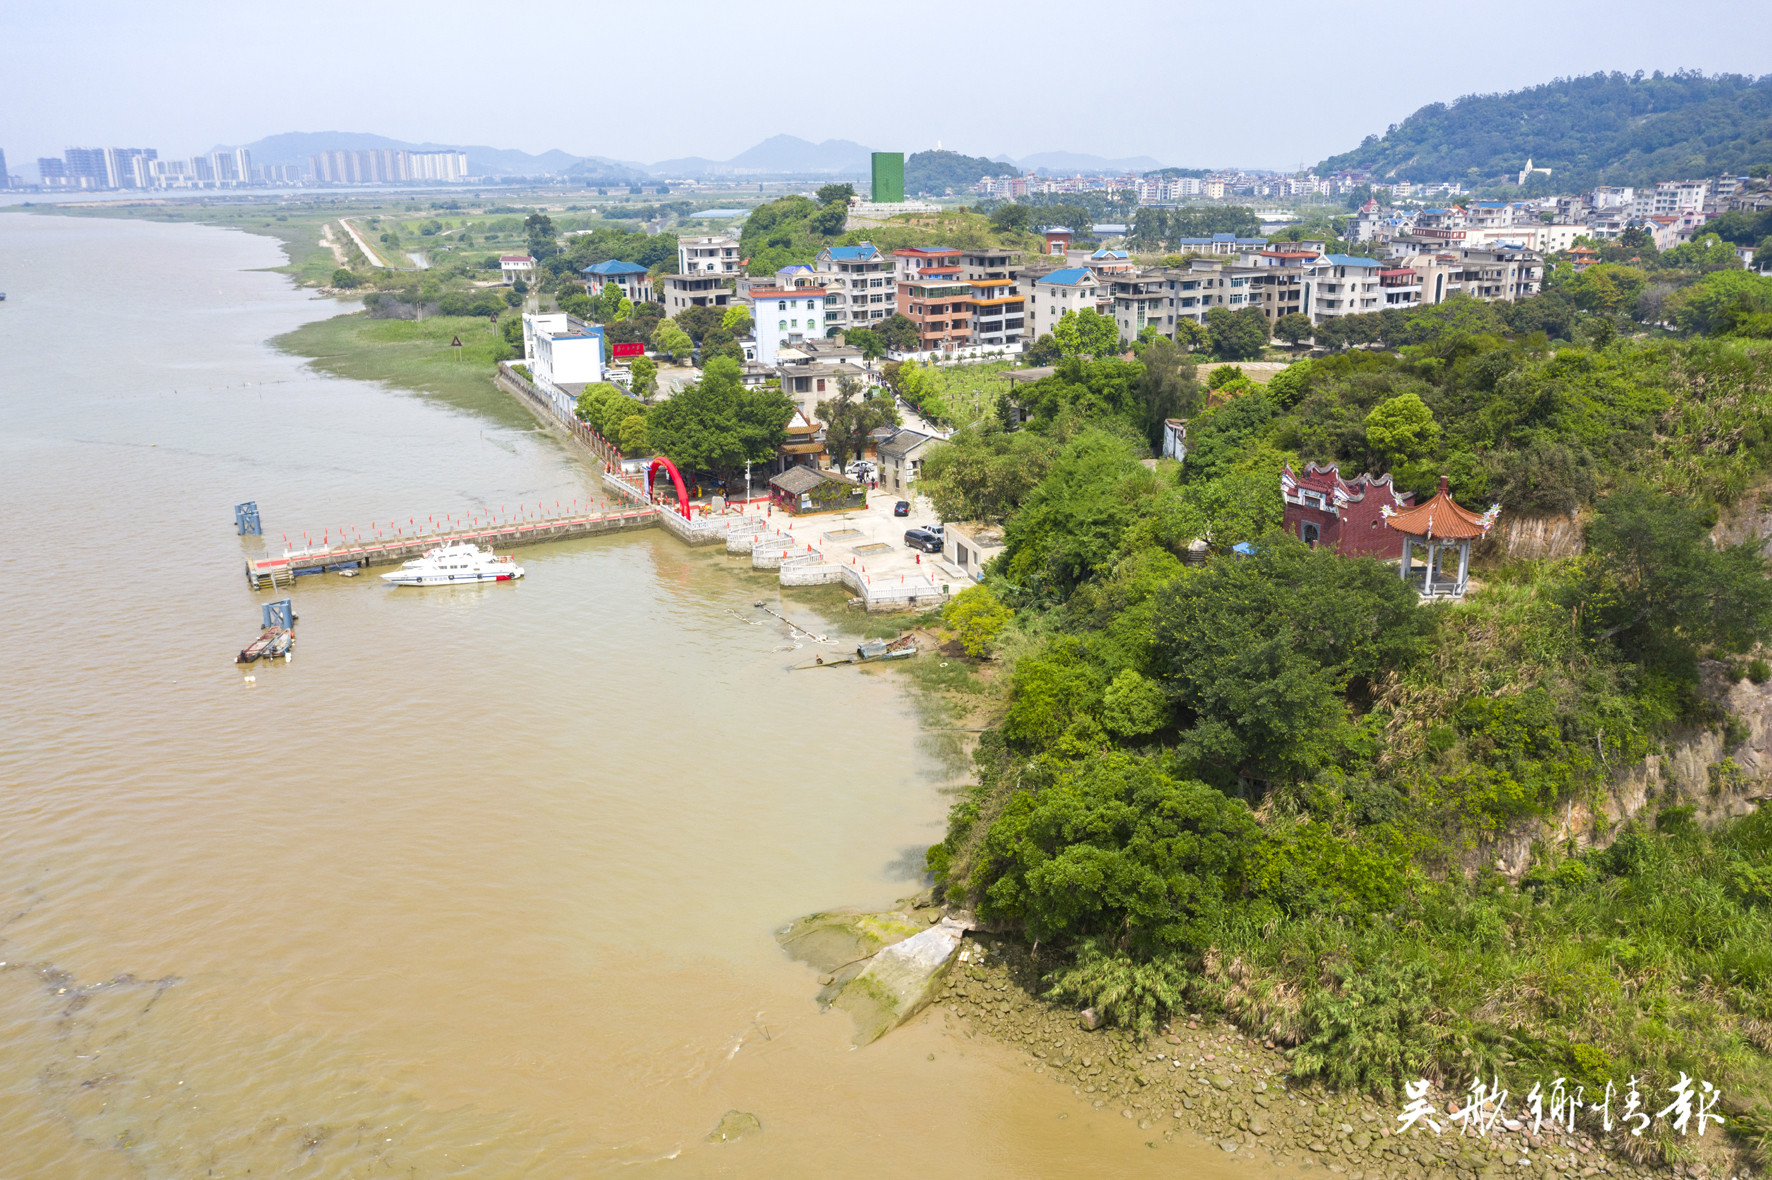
<point>625,350</point>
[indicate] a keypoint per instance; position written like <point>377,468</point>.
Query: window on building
<point>783,325</point>
<point>781,305</point>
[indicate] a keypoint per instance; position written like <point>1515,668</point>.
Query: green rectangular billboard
<point>888,178</point>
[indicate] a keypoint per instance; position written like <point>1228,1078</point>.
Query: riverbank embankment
<point>1199,1076</point>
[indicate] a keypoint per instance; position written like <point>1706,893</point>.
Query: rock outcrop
<point>1719,771</point>
<point>881,968</point>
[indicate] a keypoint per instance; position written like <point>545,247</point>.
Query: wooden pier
<point>356,555</point>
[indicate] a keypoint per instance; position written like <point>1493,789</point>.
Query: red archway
<point>682,492</point>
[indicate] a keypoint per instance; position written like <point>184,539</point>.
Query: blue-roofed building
<point>1341,284</point>
<point>859,253</point>
<point>632,278</point>
<point>1051,295</point>
<point>859,286</point>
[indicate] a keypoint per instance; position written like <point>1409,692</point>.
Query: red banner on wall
<point>626,350</point>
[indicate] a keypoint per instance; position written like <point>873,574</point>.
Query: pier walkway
<point>359,553</point>
<point>859,550</point>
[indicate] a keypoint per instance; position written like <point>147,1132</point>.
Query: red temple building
<point>1321,508</point>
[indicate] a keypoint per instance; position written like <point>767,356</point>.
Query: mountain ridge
<point>1595,129</point>
<point>778,155</point>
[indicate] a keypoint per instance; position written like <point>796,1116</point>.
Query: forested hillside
<point>934,173</point>
<point>1267,784</point>
<point>1599,129</point>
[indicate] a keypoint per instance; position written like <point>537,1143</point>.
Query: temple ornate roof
<point>1443,519</point>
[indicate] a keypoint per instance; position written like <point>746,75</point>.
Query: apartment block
<point>387,166</point>
<point>859,283</point>
<point>696,290</point>
<point>1050,295</point>
<point>785,315</point>
<point>709,254</point>
<point>999,311</point>
<point>1341,284</point>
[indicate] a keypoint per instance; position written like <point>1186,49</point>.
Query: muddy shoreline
<point>1201,1077</point>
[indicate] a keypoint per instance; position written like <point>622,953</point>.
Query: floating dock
<point>355,555</point>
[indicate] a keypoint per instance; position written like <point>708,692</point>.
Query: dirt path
<point>333,244</point>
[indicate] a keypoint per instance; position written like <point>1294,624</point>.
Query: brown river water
<point>484,881</point>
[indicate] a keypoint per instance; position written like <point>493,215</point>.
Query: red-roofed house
<point>1321,508</point>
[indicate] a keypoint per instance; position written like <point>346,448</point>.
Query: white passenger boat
<point>454,565</point>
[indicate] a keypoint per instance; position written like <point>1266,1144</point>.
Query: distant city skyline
<point>1188,84</point>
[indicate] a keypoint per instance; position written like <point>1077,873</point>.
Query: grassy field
<point>412,354</point>
<point>958,394</point>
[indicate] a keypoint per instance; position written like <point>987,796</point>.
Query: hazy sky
<point>1254,84</point>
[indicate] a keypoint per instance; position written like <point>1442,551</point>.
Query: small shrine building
<point>1347,515</point>
<point>1441,525</point>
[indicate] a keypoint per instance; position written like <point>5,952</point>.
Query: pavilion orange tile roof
<point>1442,519</point>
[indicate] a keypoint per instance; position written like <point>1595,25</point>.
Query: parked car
<point>861,469</point>
<point>902,508</point>
<point>925,539</point>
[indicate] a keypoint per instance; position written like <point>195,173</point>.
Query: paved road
<point>362,243</point>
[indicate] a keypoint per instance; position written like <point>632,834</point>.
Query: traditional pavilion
<point>1441,525</point>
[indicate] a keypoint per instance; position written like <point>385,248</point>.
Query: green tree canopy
<point>672,340</point>
<point>1655,584</point>
<point>1237,335</point>
<point>1293,327</point>
<point>645,375</point>
<point>1599,129</point>
<point>539,229</point>
<point>899,333</point>
<point>1402,428</point>
<point>1115,848</point>
<point>1086,332</point>
<point>984,472</point>
<point>1260,653</point>
<point>1714,303</point>
<point>716,424</point>
<point>869,341</point>
<point>976,617</point>
<point>852,415</point>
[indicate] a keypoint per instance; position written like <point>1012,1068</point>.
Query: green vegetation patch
<point>412,354</point>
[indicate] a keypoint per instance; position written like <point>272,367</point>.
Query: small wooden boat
<point>872,651</point>
<point>271,643</point>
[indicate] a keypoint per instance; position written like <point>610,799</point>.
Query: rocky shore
<point>1203,1078</point>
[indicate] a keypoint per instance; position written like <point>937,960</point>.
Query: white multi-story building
<point>1051,295</point>
<point>563,354</point>
<point>1164,190</point>
<point>709,254</point>
<point>1673,197</point>
<point>859,287</point>
<point>387,165</point>
<point>1341,284</point>
<point>782,317</point>
<point>633,280</point>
